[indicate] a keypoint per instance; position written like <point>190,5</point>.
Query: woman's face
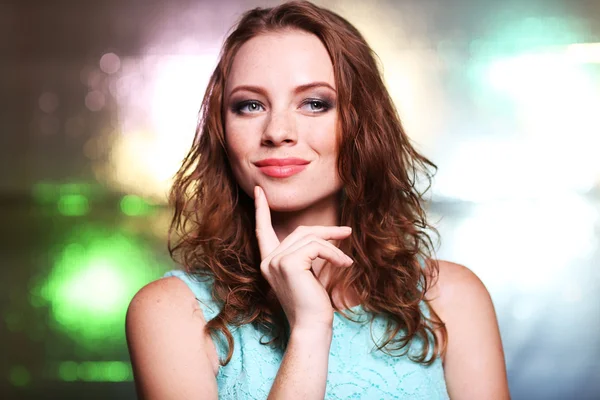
<point>280,102</point>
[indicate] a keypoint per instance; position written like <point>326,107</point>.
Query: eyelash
<point>326,106</point>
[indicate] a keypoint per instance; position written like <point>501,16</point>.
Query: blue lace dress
<point>357,370</point>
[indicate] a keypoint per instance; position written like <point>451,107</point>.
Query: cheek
<point>241,135</point>
<point>235,144</point>
<point>326,140</point>
<point>236,157</point>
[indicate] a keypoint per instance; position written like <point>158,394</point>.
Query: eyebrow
<point>298,89</point>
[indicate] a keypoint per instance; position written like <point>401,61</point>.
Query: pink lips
<point>281,167</point>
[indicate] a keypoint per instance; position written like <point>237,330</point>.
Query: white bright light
<point>525,244</point>
<point>159,114</point>
<point>553,147</point>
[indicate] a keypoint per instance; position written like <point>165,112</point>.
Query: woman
<point>304,239</point>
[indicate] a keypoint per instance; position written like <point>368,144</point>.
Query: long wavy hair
<point>213,226</point>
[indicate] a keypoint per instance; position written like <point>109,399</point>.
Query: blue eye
<point>251,106</point>
<point>321,106</point>
<point>254,105</point>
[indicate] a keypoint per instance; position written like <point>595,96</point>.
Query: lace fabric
<point>357,370</point>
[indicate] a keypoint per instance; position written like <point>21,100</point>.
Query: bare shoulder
<point>457,294</point>
<point>454,283</point>
<point>474,364</point>
<point>152,300</point>
<point>168,348</point>
<point>161,304</point>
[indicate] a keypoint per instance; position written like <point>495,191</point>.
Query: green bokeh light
<point>70,199</point>
<point>45,192</point>
<point>19,376</point>
<point>73,205</point>
<point>89,288</point>
<point>67,371</point>
<point>51,192</point>
<point>134,205</point>
<point>95,371</point>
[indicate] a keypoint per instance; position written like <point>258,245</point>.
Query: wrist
<point>312,335</point>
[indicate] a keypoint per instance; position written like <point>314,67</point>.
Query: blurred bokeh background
<point>98,105</point>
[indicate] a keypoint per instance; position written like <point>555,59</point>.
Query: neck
<point>323,213</point>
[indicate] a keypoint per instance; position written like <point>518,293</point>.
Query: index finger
<point>267,239</point>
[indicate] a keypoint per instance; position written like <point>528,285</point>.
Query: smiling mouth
<point>282,171</point>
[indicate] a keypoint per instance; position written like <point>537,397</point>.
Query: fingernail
<point>347,228</point>
<point>256,192</point>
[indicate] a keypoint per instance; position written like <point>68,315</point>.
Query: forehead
<point>281,60</point>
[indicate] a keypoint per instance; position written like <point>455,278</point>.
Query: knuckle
<point>286,263</point>
<point>274,264</point>
<point>265,265</point>
<point>275,261</point>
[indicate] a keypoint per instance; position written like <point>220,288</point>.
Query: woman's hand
<point>287,266</point>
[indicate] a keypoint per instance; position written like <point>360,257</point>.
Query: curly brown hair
<point>214,219</point>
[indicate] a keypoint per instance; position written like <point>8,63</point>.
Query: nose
<point>280,129</point>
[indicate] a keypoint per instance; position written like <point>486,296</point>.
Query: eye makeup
<point>324,104</point>
<point>237,107</point>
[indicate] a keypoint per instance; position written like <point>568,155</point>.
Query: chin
<point>284,202</point>
<point>287,208</point>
